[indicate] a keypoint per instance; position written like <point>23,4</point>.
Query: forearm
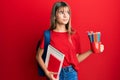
<point>84,55</point>
<point>40,60</point>
<point>41,63</point>
<point>49,74</point>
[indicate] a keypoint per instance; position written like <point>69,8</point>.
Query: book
<point>54,60</point>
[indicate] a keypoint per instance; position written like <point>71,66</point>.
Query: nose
<point>65,14</point>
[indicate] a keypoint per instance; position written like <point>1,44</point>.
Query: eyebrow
<point>63,9</point>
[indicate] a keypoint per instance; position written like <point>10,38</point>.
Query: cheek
<point>59,17</point>
<point>68,16</point>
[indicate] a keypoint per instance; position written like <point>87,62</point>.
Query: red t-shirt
<point>60,40</point>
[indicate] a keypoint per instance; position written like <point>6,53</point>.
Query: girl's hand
<point>101,48</point>
<point>50,75</point>
<point>97,47</point>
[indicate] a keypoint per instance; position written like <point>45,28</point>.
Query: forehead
<point>63,9</point>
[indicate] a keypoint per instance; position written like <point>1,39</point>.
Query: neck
<point>60,28</point>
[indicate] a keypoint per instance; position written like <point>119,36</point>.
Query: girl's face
<point>62,15</point>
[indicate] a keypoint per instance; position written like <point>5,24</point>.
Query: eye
<point>61,12</point>
<point>68,12</point>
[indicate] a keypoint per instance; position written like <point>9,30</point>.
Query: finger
<point>53,78</point>
<point>101,48</point>
<point>53,72</point>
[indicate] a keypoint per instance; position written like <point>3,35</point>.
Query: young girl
<point>66,40</point>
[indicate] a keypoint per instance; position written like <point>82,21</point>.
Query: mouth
<point>65,19</point>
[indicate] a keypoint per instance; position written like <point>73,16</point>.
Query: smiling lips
<point>65,19</point>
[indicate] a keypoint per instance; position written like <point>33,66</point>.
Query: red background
<point>22,25</point>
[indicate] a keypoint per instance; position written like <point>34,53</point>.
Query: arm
<point>40,60</point>
<point>84,55</point>
<point>42,64</point>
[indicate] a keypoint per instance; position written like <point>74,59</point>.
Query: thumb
<point>54,73</point>
<point>101,47</point>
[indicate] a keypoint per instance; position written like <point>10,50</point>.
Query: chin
<point>65,23</point>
